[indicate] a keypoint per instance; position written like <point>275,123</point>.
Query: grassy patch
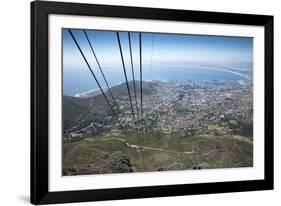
<point>213,126</point>
<point>100,154</point>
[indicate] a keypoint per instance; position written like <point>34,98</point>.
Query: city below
<point>185,124</point>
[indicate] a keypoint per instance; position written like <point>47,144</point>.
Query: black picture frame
<point>40,108</point>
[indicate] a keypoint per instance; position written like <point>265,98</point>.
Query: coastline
<point>95,91</point>
<point>225,70</point>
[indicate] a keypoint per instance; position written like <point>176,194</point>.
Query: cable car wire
<point>141,99</point>
<point>125,74</point>
<point>133,73</point>
<point>151,55</point>
<point>89,67</point>
<point>99,66</point>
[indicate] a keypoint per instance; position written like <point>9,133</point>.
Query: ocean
<point>76,81</point>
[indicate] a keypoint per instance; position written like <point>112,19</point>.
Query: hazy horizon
<point>164,51</point>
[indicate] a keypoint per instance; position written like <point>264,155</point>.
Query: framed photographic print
<point>131,102</point>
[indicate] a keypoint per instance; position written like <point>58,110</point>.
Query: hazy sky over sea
<point>173,56</point>
<point>167,48</point>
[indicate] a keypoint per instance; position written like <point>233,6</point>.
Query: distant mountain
<point>148,88</point>
<point>79,112</point>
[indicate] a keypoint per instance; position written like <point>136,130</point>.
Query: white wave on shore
<point>90,93</point>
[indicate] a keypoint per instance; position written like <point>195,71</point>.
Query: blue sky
<point>167,49</point>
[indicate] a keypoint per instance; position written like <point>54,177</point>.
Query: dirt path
<point>242,139</point>
<point>136,147</point>
<point>145,147</point>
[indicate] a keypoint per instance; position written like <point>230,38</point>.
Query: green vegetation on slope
<point>109,153</point>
